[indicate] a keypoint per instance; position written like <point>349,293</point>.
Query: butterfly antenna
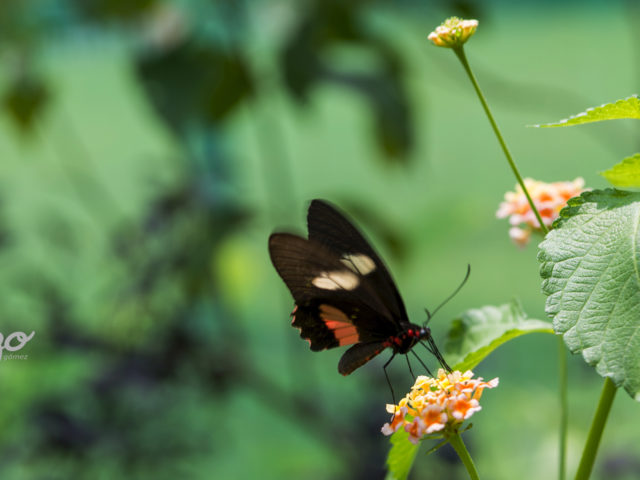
<point>430,315</point>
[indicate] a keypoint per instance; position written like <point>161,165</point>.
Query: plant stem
<point>595,432</point>
<point>463,59</point>
<point>562,358</point>
<point>564,417</point>
<point>456,442</point>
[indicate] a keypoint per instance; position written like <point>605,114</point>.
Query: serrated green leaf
<point>480,331</point>
<point>401,456</point>
<point>625,173</point>
<point>624,108</point>
<point>590,270</point>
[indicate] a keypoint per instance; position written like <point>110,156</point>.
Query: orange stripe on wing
<point>346,332</point>
<point>349,340</point>
<point>327,312</point>
<point>334,325</point>
<point>336,321</point>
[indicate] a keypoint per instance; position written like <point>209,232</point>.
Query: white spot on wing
<point>359,263</point>
<point>336,280</point>
<point>325,283</point>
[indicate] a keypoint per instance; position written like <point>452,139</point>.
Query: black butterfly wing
<point>331,229</point>
<point>335,303</point>
<point>358,355</point>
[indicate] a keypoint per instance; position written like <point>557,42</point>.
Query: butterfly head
<point>423,332</point>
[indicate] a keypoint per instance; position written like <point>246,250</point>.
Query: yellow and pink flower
<point>549,199</point>
<point>453,32</point>
<point>437,404</point>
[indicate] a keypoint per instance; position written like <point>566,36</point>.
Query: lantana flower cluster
<point>549,199</point>
<point>437,404</point>
<point>453,32</point>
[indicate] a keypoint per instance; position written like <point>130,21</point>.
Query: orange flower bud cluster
<point>435,404</point>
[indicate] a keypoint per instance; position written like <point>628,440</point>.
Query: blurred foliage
<point>142,366</point>
<point>120,10</point>
<point>325,27</point>
<point>210,82</point>
<point>141,406</point>
<point>25,101</point>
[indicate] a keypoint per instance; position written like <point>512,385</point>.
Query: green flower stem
<point>595,432</point>
<point>564,409</point>
<point>456,442</point>
<point>562,361</point>
<point>459,51</point>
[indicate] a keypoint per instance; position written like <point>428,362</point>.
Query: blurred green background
<point>149,148</point>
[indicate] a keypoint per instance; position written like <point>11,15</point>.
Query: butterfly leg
<point>421,363</point>
<point>410,369</point>
<point>434,350</point>
<point>393,397</point>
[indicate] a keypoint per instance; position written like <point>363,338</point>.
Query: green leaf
<point>624,108</point>
<point>589,266</point>
<point>480,331</point>
<point>625,173</point>
<point>401,456</point>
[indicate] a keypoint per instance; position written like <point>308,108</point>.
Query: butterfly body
<point>343,292</point>
<point>411,334</point>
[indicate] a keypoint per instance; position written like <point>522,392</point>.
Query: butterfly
<point>343,292</point>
